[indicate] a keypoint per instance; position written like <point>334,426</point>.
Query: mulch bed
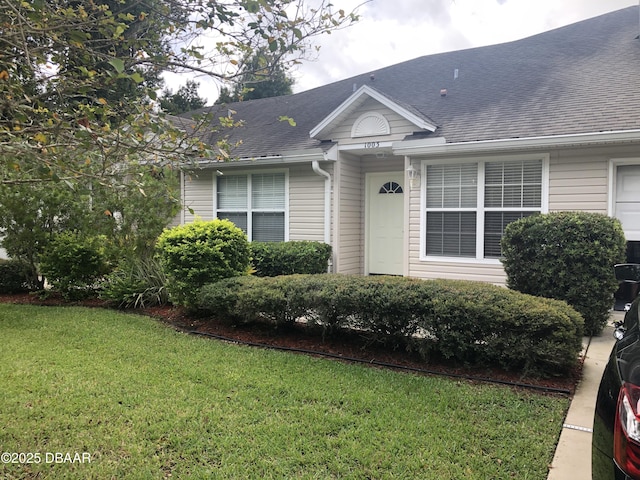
<point>352,347</point>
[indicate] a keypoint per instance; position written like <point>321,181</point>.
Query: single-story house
<point>416,168</point>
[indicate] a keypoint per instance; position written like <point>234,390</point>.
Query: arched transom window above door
<point>370,124</point>
<point>390,187</point>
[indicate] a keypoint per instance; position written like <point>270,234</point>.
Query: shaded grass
<point>149,402</point>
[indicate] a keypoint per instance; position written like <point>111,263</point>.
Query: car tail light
<point>626,442</point>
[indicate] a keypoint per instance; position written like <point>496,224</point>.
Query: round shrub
<point>567,256</point>
<point>74,264</point>
<point>199,253</point>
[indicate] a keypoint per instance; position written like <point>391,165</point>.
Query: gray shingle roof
<point>580,78</point>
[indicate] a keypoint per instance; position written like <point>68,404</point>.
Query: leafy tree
<point>77,76</point>
<point>186,99</point>
<point>262,77</point>
<point>32,215</point>
<point>81,146</point>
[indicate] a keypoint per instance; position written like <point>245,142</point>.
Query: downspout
<point>315,165</point>
<point>182,198</point>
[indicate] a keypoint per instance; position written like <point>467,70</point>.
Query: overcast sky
<point>392,31</point>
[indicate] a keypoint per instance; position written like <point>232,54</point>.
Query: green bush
<point>73,264</point>
<point>271,259</point>
<point>483,324</point>
<point>14,276</point>
<point>199,253</point>
<point>467,322</point>
<point>250,299</point>
<point>567,256</point>
<point>137,283</point>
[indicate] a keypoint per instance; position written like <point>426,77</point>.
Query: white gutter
<point>315,165</point>
<point>287,157</point>
<point>429,147</point>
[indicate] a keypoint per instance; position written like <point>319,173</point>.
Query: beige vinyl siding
<point>399,126</point>
<point>198,195</point>
<point>578,180</point>
<point>177,220</point>
<point>306,200</point>
<point>306,203</point>
<point>349,251</point>
<point>373,164</point>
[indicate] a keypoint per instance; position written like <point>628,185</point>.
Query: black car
<point>616,425</point>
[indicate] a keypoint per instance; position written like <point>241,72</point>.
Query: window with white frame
<point>468,205</point>
<point>254,202</point>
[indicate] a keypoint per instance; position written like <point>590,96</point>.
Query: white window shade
<point>513,184</point>
<point>267,191</point>
<point>239,219</point>
<point>256,203</point>
<point>452,186</point>
<point>232,192</point>
<point>268,227</point>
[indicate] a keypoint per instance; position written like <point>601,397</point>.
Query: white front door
<point>385,223</point>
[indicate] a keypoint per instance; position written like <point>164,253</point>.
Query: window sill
<point>466,260</point>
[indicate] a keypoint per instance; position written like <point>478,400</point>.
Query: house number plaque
<point>372,145</point>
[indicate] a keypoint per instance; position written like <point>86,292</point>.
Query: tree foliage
<point>78,78</point>
<point>262,77</point>
<point>82,145</point>
<point>32,215</point>
<point>186,99</point>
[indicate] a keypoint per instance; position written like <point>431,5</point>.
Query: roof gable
<point>369,122</point>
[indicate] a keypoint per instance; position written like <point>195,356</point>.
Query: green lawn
<point>144,401</point>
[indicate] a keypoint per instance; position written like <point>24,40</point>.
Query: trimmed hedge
<point>467,322</point>
<point>14,277</point>
<point>271,259</point>
<point>199,253</point>
<point>568,256</point>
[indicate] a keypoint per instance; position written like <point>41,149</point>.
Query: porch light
<point>414,177</point>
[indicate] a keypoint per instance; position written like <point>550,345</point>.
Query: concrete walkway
<point>572,459</point>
